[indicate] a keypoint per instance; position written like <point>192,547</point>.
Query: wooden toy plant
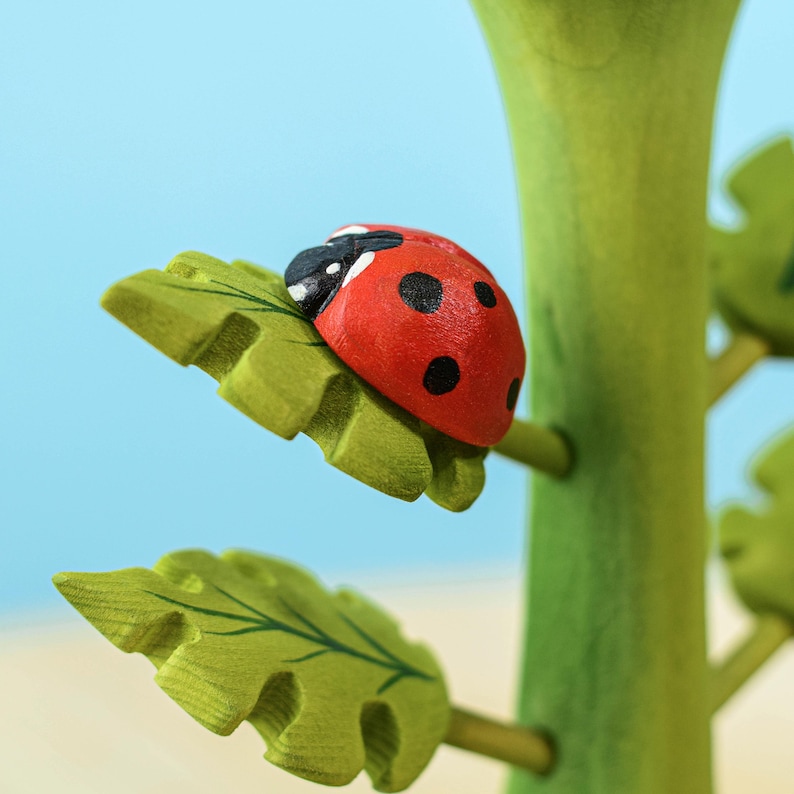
<point>397,352</point>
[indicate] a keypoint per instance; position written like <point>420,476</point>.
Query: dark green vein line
<point>371,641</point>
<point>263,304</point>
<point>264,622</point>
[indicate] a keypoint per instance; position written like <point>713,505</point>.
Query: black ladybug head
<point>314,276</point>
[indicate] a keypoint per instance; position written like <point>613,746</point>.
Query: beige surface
<point>79,716</point>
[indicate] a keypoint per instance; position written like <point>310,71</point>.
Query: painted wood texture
<point>753,266</point>
<point>421,320</point>
<point>758,545</point>
<point>610,112</point>
<point>238,323</point>
<point>325,678</point>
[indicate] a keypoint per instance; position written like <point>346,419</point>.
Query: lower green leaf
<point>325,678</point>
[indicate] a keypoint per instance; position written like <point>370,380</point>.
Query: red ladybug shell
<point>426,324</point>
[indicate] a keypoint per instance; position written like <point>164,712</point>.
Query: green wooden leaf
<point>753,268</point>
<point>325,678</point>
<point>758,547</point>
<point>238,323</point>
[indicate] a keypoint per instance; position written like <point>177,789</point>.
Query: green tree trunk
<point>610,107</point>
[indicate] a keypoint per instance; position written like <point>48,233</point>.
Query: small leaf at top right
<point>758,545</point>
<point>752,268</point>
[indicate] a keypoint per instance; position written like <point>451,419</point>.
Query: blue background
<point>132,131</point>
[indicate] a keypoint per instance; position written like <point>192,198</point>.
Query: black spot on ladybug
<point>512,394</point>
<point>442,375</point>
<point>421,292</point>
<point>485,295</point>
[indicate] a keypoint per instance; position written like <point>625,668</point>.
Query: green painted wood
<point>238,323</point>
<point>753,266</point>
<point>325,678</point>
<point>610,106</point>
<point>757,545</point>
<point>769,634</point>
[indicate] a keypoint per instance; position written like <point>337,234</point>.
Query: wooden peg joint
<point>514,744</point>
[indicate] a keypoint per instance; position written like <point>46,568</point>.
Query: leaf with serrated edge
<point>758,547</point>
<point>238,323</point>
<point>753,268</point>
<point>325,678</point>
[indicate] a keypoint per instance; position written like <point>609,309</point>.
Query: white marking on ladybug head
<point>349,230</point>
<point>297,291</point>
<point>359,266</point>
<point>333,268</point>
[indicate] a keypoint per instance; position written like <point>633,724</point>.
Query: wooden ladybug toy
<point>419,319</point>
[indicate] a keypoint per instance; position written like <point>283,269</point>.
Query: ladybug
<point>421,320</point>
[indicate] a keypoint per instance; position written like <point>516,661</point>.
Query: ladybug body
<point>421,320</point>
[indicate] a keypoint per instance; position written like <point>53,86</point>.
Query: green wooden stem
<point>540,447</point>
<point>743,351</point>
<point>610,109</point>
<point>513,744</point>
<point>770,632</point>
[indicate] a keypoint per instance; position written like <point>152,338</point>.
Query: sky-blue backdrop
<point>132,131</point>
